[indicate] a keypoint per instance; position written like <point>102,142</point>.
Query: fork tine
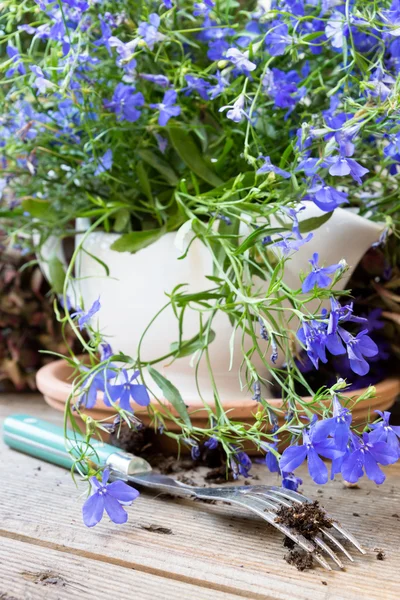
<point>262,509</point>
<point>346,534</point>
<point>332,539</point>
<point>321,561</point>
<point>329,551</point>
<point>350,537</point>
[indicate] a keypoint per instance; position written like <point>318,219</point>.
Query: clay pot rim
<point>52,384</point>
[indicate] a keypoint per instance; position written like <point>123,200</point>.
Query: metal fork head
<point>265,502</point>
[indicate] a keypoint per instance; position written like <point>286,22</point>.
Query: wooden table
<point>213,551</point>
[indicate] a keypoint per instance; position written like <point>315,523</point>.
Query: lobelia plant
<point>220,120</point>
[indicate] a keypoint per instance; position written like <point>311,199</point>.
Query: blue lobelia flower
<point>319,276</point>
<point>40,82</point>
<point>104,163</point>
<point>125,51</point>
<point>366,454</point>
<point>161,80</point>
<point>342,165</point>
<point>284,88</point>
<point>357,347</point>
<point>240,60</point>
<point>313,335</point>
<point>129,390</point>
<point>217,49</point>
<point>326,197</point>
<point>149,31</point>
<point>17,65</point>
<point>240,464</point>
<point>277,38</point>
<point>211,443</point>
<point>268,167</point>
<point>235,112</point>
<point>337,426</point>
<point>167,3</point>
<point>203,9</point>
<point>85,317</point>
<point>270,460</point>
<point>196,84</point>
<point>109,497</point>
<point>125,103</point>
<point>384,432</point>
<point>288,244</point>
<point>167,107</point>
<point>337,30</point>
<point>294,456</point>
<point>291,482</point>
<point>93,384</point>
<point>217,89</point>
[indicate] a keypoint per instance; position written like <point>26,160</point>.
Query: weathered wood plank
<point>218,547</point>
<point>39,573</point>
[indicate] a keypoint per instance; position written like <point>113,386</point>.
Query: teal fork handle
<point>46,441</point>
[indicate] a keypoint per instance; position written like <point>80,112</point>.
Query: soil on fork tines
<point>306,519</point>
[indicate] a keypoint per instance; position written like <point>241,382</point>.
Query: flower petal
<point>140,394</point>
<point>372,470</point>
<point>292,458</point>
<point>114,510</point>
<point>122,491</point>
<point>352,467</point>
<point>316,467</point>
<point>92,510</point>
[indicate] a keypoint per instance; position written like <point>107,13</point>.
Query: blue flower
<point>125,103</point>
<point>161,80</point>
<point>294,456</point>
<point>284,88</point>
<point>278,38</point>
<point>85,317</point>
<point>357,347</point>
<point>319,276</point>
<point>17,65</point>
<point>40,82</point>
<point>211,443</point>
<point>149,31</point>
<point>366,455</point>
<point>270,460</point>
<point>203,9</point>
<point>342,165</point>
<point>219,88</point>
<point>167,107</point>
<point>94,383</point>
<point>288,244</point>
<point>235,112</point>
<point>108,497</point>
<point>125,52</point>
<point>291,482</point>
<point>326,197</point>
<point>129,390</point>
<point>337,30</point>
<point>337,426</point>
<point>240,60</point>
<point>314,337</point>
<point>268,167</point>
<point>240,464</point>
<point>167,3</point>
<point>384,432</point>
<point>196,84</point>
<point>105,162</point>
<point>217,49</point>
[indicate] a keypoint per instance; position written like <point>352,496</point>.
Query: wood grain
<point>219,549</point>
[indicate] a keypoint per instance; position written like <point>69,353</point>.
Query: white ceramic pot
<point>138,283</point>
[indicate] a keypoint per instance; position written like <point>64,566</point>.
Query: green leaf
<point>122,219</point>
<point>137,240</point>
<point>255,235</point>
<point>56,274</point>
<point>159,165</point>
<point>40,209</point>
<point>315,222</point>
<point>171,394</point>
<point>144,181</point>
<point>198,342</point>
<point>191,156</point>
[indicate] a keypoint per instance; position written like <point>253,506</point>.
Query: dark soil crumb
<point>37,468</point>
<point>246,482</point>
<point>396,516</point>
<point>44,578</point>
<point>186,480</point>
<point>288,543</point>
<point>324,582</point>
<point>256,478</point>
<point>320,491</point>
<point>356,515</point>
<point>206,501</point>
<point>380,555</point>
<point>306,518</point>
<point>157,529</point>
<point>300,559</point>
<point>219,475</point>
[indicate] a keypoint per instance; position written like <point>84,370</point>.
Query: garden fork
<point>46,441</point>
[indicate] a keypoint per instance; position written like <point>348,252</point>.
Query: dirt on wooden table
<point>174,548</point>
